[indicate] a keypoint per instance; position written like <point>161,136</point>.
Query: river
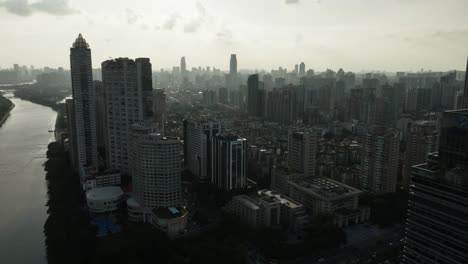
<point>23,192</point>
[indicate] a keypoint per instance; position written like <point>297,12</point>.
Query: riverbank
<point>41,94</point>
<point>5,108</point>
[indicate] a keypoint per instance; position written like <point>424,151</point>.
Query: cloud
<point>171,22</point>
<point>196,22</point>
<point>225,36</point>
<point>289,2</point>
<point>52,7</point>
<point>132,16</point>
<point>454,34</point>
<point>192,26</point>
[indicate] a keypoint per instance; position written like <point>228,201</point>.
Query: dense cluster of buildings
<point>312,143</point>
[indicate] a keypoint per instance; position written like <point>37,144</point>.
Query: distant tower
<point>232,85</point>
<point>183,66</point>
<point>252,95</point>
<point>233,65</point>
<point>465,91</point>
<point>84,102</point>
<point>302,69</point>
<point>379,164</point>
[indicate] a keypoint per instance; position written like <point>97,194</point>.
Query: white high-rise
<point>156,165</point>
<point>84,101</point>
<point>128,87</point>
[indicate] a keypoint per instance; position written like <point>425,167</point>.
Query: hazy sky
<point>353,34</point>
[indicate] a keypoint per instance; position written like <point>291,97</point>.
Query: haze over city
<point>393,35</point>
<point>234,132</point>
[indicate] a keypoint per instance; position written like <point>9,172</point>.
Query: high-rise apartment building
<point>233,65</point>
<point>302,151</point>
<point>159,108</point>
<point>222,95</point>
<point>379,165</point>
<point>437,220</point>
<point>229,162</point>
<point>302,71</point>
<point>197,144</point>
<point>422,139</point>
<point>156,164</point>
<point>128,88</point>
<point>253,107</point>
<point>281,105</point>
<point>465,90</point>
<point>84,102</point>
<point>101,121</point>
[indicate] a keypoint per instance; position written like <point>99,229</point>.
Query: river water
<point>23,192</point>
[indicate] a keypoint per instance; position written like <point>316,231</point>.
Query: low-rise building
<point>324,195</point>
<point>269,208</point>
<point>104,200</point>
<point>170,220</point>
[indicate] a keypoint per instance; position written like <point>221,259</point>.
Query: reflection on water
<point>23,144</point>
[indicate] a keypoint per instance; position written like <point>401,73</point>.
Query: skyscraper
<point>84,102</point>
<point>302,151</point>
<point>183,66</point>
<point>465,90</point>
<point>379,165</point>
<point>437,220</point>
<point>229,162</point>
<point>233,79</point>
<point>281,106</point>
<point>197,143</point>
<point>101,120</point>
<point>127,85</point>
<point>252,95</point>
<point>422,139</point>
<point>302,69</point>
<point>159,108</point>
<point>233,65</point>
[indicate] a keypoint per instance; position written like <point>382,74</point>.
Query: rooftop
<point>283,199</point>
<point>80,42</point>
<point>246,200</point>
<point>104,193</point>
<point>169,212</point>
<point>325,188</point>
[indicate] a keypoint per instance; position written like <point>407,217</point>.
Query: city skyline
<point>359,36</point>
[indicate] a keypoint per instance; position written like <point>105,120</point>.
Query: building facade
<point>128,87</point>
<point>379,160</point>
<point>229,162</point>
<point>84,102</point>
<point>437,220</point>
<point>157,171</point>
<point>324,195</point>
<point>197,144</point>
<point>302,151</point>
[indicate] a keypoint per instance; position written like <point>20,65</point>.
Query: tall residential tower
<point>128,87</point>
<point>84,102</point>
